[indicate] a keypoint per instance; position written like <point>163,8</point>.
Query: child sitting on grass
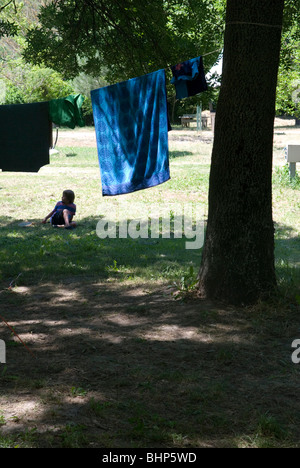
<point>63,212</point>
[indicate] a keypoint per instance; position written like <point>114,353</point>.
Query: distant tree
<point>287,101</point>
<point>83,84</point>
<point>22,82</point>
<point>288,91</point>
<point>7,25</point>
<point>34,84</point>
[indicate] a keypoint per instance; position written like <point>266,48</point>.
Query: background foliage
<point>93,43</point>
<point>24,82</point>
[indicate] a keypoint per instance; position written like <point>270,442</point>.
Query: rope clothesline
<point>213,52</point>
<point>245,22</point>
<point>255,24</point>
<point>278,26</point>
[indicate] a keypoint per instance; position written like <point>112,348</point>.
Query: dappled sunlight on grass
<point>126,354</point>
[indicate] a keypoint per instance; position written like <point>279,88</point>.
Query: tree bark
<point>238,256</point>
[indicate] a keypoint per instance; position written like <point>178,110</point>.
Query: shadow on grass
<point>179,154</point>
<point>287,243</point>
<point>121,364</point>
<point>123,368</point>
<point>39,251</point>
<point>287,255</point>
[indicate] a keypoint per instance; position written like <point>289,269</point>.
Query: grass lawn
<point>119,360</point>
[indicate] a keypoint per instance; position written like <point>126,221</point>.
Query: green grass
<point>282,178</point>
<point>39,252</point>
<point>231,384</point>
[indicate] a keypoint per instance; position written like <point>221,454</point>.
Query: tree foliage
<point>125,37</point>
<point>7,28</point>
<point>7,25</point>
<point>15,14</point>
<point>34,84</point>
<point>288,89</point>
<point>119,39</point>
<point>22,82</point>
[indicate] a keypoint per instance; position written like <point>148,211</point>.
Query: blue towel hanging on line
<point>131,125</point>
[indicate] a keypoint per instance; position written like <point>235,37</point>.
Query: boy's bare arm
<point>48,216</point>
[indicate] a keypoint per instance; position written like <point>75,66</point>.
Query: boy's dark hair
<point>70,195</point>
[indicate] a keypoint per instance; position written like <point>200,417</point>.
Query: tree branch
<point>11,1</point>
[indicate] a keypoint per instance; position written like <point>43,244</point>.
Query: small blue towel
<point>189,78</point>
<point>131,125</point>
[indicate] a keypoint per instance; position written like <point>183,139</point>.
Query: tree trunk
<point>238,255</point>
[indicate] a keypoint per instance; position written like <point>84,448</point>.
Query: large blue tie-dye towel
<point>131,126</point>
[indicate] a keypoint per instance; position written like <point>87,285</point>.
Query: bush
<point>38,84</point>
<point>282,177</point>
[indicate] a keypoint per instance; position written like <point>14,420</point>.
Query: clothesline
<point>243,22</point>
<point>204,55</point>
<point>132,139</point>
<point>255,24</point>
<point>213,52</point>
